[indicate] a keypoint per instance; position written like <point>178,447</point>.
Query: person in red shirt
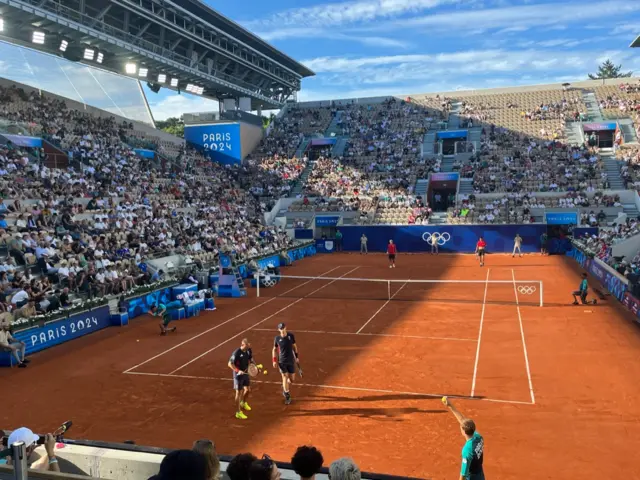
<point>480,250</point>
<point>391,251</point>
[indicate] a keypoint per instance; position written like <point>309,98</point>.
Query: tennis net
<point>520,292</point>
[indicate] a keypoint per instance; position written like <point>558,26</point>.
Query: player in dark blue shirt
<point>239,364</point>
<point>285,356</point>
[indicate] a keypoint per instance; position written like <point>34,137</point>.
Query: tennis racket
<point>299,368</point>
<point>252,370</point>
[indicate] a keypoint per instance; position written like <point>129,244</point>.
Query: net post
<point>541,294</point>
<point>388,290</point>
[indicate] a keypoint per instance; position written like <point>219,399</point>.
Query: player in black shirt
<point>239,363</point>
<point>285,356</point>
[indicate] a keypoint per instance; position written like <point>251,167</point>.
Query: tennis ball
<point>444,400</point>
<point>265,372</point>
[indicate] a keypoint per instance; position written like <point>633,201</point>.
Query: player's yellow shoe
<point>246,407</point>
<point>241,416</point>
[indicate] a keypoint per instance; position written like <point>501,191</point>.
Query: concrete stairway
<point>593,108</point>
<point>466,186</point>
<point>302,179</point>
<point>428,144</point>
<point>302,147</point>
<point>340,146</point>
<point>447,163</point>
<point>333,130</point>
<point>626,125</point>
<point>438,218</point>
<point>612,167</point>
<point>575,136</point>
<point>422,185</point>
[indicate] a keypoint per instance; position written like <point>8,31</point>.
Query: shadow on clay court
<point>362,412</point>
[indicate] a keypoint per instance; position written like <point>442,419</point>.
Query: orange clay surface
<point>373,395</point>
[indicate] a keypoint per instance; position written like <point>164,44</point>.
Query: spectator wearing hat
<point>47,462</point>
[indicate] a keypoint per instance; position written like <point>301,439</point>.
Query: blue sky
<point>377,47</point>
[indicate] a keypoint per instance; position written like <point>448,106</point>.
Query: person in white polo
<point>47,462</point>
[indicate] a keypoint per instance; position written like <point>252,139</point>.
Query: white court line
<point>258,323</point>
<point>484,304</point>
<point>380,309</point>
<point>225,322</point>
<point>524,344</point>
<point>334,387</point>
<point>373,335</point>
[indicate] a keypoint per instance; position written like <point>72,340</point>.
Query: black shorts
<point>241,381</point>
<point>392,256</point>
<point>481,252</point>
<point>580,293</point>
<point>287,368</point>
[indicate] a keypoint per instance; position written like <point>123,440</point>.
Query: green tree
<point>172,125</point>
<point>609,70</point>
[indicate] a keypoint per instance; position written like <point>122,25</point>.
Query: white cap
<point>23,434</point>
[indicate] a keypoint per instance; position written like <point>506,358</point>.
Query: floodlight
<point>1,24</point>
<point>162,78</point>
<point>63,45</point>
<point>142,72</point>
<point>100,57</point>
<point>89,53</point>
<point>190,87</point>
<point>130,68</point>
<point>38,37</point>
<point>174,82</point>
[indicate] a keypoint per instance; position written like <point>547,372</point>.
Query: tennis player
<point>481,246</point>
<point>582,292</point>
<point>391,252</point>
<point>544,239</point>
<point>239,363</point>
<point>434,243</point>
<point>473,450</point>
<point>166,312</point>
<point>517,245</point>
<point>285,356</point>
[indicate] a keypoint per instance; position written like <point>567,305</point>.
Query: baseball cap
<point>281,326</point>
<point>23,434</point>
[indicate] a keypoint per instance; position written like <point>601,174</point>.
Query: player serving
<point>391,252</point>
<point>285,356</point>
<point>480,250</point>
<point>239,362</point>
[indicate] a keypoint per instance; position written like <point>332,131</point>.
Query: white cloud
<point>175,105</point>
<point>371,41</point>
<point>553,15</point>
<point>357,11</point>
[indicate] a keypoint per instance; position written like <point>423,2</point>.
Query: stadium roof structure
<point>635,43</point>
<point>179,44</point>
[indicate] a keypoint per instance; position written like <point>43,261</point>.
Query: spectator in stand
<point>264,469</point>
<point>239,466</point>
<point>13,346</point>
<point>344,469</point>
<point>182,465</point>
<point>307,462</point>
<point>208,450</point>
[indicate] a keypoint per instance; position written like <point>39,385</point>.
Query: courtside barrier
<point>293,254</point>
<point>450,238</point>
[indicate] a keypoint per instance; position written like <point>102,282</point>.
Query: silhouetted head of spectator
<point>208,450</point>
<point>344,469</point>
<point>307,461</point>
<point>182,465</point>
<point>264,469</point>
<point>239,466</point>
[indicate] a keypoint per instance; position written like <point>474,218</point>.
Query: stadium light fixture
<point>142,72</point>
<point>63,45</point>
<point>199,90</point>
<point>130,68</point>
<point>100,57</point>
<point>190,87</point>
<point>162,78</point>
<point>174,82</point>
<point>38,37</point>
<point>1,24</point>
<point>89,54</point>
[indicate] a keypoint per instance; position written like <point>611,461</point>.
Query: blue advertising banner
<point>61,331</point>
<point>452,134</point>
<point>445,177</point>
<point>327,221</point>
<point>633,304</point>
<point>303,234</point>
<point>21,141</point>
<point>595,127</point>
<point>561,218</point>
<point>220,142</point>
<point>141,305</point>
<point>614,283</point>
<point>318,142</point>
<point>145,153</point>
<point>451,238</point>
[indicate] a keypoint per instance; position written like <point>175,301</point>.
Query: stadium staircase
<point>612,168</point>
<point>574,133</point>
<point>438,218</point>
<point>340,146</point>
<point>475,136</point>
<point>454,116</point>
<point>304,143</point>
<point>334,129</point>
<point>422,186</point>
<point>302,179</point>
<point>428,143</point>
<point>593,108</point>
<point>466,186</point>
<point>629,133</point>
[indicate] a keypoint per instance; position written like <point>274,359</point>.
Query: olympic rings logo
<point>440,238</point>
<point>526,289</point>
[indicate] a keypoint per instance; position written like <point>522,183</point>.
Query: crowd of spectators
<point>93,226</point>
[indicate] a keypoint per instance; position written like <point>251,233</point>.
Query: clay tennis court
<point>555,388</point>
